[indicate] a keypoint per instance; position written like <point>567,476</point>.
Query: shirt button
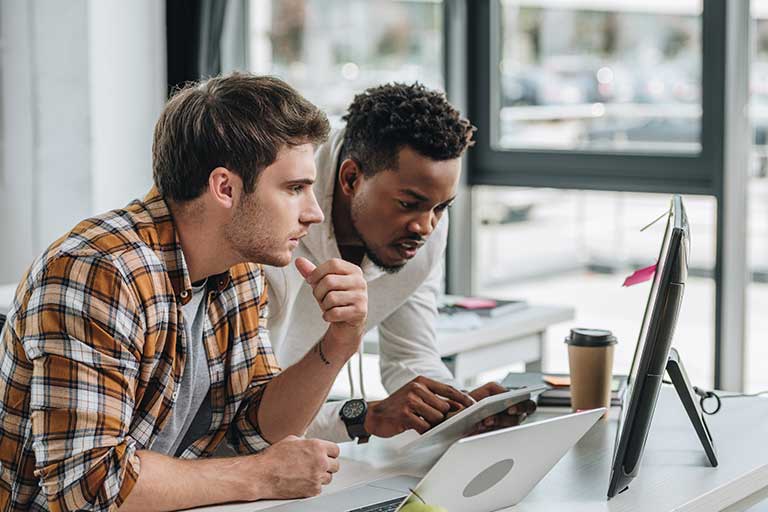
<point>175,395</point>
<point>184,294</point>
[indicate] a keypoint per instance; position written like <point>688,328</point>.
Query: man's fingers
<point>304,266</point>
<point>527,407</point>
<point>332,449</point>
<point>455,406</point>
<point>433,400</point>
<point>447,391</point>
<point>486,390</point>
<point>333,465</point>
<point>430,414</point>
<point>418,424</point>
<point>337,299</point>
<point>342,314</point>
<point>332,266</point>
<point>333,282</point>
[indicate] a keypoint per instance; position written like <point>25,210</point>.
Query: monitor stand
<point>679,378</point>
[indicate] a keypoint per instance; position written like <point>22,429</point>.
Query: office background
<point>590,113</point>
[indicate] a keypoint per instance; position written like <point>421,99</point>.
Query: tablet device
<point>465,421</point>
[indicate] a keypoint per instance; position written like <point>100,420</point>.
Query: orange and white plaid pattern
<point>94,348</point>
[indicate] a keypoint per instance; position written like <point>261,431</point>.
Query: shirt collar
<point>165,241</point>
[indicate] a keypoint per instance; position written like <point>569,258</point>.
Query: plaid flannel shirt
<point>94,348</point>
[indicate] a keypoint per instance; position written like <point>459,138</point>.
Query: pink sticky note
<point>476,303</point>
<point>640,276</point>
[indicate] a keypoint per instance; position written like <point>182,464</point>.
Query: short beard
<point>389,269</point>
<point>249,238</point>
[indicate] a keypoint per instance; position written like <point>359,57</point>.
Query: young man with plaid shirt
<point>137,342</point>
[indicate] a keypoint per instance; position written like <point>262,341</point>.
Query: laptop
<point>480,473</point>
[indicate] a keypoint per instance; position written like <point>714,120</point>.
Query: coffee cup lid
<point>582,337</point>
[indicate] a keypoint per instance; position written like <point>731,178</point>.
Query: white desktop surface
<point>674,474</point>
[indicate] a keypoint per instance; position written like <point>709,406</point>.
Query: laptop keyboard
<point>384,506</point>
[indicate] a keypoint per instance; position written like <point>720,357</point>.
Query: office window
<point>575,247</point>
<point>588,94</point>
<point>600,76</point>
<point>331,50</point>
<point>757,220</point>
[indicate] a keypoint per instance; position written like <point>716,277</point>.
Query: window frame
<point>576,169</point>
<point>719,170</point>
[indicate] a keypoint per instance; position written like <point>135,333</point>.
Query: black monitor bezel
<point>642,390</point>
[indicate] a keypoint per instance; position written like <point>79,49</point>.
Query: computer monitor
<point>652,349</point>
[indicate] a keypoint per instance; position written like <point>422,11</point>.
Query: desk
<point>673,476</point>
<point>515,337</point>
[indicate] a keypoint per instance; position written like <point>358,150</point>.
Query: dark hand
<point>418,405</point>
<point>509,418</point>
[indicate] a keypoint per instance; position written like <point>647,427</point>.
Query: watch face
<point>353,409</point>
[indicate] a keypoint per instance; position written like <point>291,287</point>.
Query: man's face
<point>395,211</point>
<point>269,222</point>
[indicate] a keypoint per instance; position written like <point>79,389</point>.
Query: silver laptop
<point>476,474</point>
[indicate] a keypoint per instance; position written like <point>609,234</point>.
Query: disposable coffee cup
<point>590,359</point>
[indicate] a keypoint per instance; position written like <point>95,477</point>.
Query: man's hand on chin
<point>513,416</point>
<point>342,294</point>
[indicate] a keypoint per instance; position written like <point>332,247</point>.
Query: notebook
<point>559,396</point>
<point>480,305</point>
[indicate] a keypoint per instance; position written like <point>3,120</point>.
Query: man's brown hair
<point>239,122</point>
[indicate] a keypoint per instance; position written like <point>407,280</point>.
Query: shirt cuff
<point>328,425</point>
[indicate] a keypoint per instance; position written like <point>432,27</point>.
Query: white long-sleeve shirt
<point>403,305</point>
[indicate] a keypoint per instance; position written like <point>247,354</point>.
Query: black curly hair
<point>384,119</point>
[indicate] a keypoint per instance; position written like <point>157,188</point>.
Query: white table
<point>514,337</point>
<point>673,475</point>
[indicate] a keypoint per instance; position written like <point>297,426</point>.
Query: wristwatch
<point>352,413</point>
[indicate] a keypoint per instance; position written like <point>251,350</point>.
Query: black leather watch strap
<point>357,431</point>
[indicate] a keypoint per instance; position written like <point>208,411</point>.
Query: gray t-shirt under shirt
<point>190,417</point>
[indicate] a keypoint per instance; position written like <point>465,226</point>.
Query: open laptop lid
<point>498,469</point>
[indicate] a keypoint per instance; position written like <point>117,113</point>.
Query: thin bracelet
<point>320,351</point>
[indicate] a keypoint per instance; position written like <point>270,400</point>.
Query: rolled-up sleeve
<point>79,331</point>
<point>244,434</point>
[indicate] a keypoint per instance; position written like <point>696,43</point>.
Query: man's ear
<point>224,187</point>
<point>350,176</point>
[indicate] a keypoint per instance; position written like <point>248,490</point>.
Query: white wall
<point>17,206</point>
<point>83,83</point>
<point>127,83</point>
